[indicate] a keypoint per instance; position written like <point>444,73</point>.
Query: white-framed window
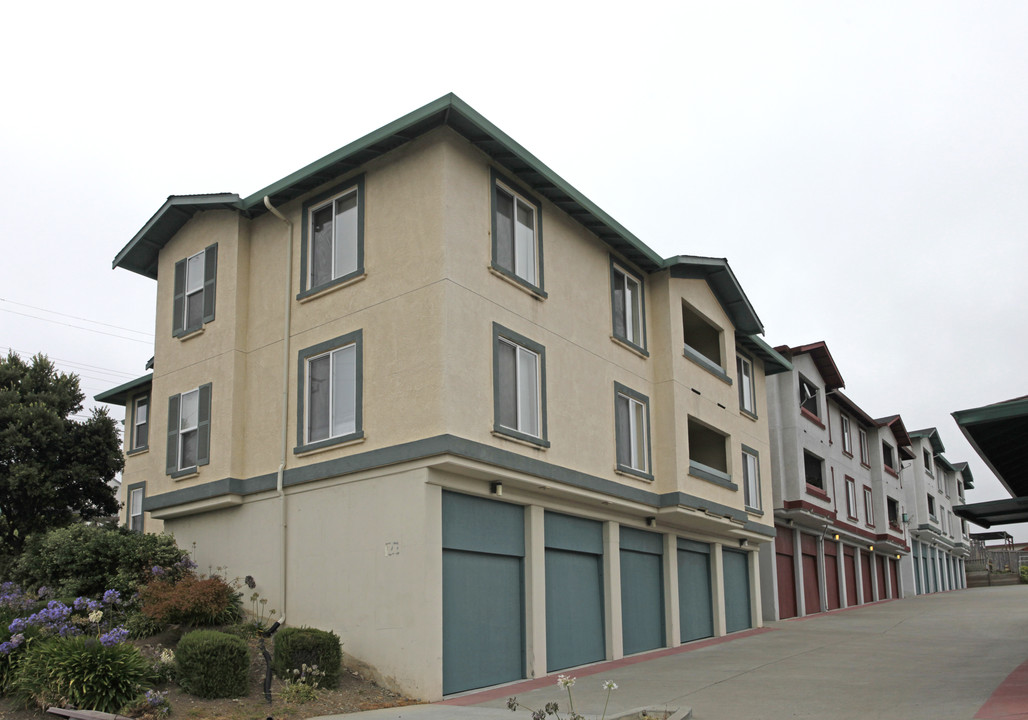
<point>851,498</point>
<point>136,510</point>
<point>808,397</point>
<point>627,305</point>
<point>751,479</point>
<point>869,508</point>
<point>519,388</point>
<point>517,239</point>
<point>194,291</point>
<point>865,458</point>
<point>332,394</point>
<point>333,238</point>
<point>632,431</point>
<point>931,506</point>
<point>189,429</point>
<point>140,433</point>
<point>847,438</point>
<point>927,460</point>
<point>747,395</point>
<point>888,456</point>
<point>940,477</point>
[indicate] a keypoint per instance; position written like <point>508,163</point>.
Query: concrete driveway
<point>931,657</point>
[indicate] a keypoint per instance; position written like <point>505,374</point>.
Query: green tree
<point>53,469</point>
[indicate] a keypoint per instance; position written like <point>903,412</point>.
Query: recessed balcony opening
<point>813,470</point>
<point>708,454</point>
<point>701,337</point>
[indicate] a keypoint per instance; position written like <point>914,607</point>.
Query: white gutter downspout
<point>285,396</point>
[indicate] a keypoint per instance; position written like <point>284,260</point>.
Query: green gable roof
<point>120,394</point>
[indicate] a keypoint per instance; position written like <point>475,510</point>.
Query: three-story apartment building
<point>433,398</point>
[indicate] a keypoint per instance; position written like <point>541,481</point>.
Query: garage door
<point>642,590</point>
<point>811,584</point>
<point>832,575</point>
<point>865,576</point>
<point>915,550</point>
<point>849,557</point>
<point>880,570</point>
<point>737,590</point>
<point>786,572</point>
<point>695,607</point>
<point>894,577</point>
<point>483,591</point>
<point>574,591</point>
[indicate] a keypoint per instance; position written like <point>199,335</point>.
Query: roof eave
<point>726,287</point>
<point>119,395</point>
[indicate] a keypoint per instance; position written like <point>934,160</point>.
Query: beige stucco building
<point>434,399</point>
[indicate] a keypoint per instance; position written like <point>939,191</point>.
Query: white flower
<point>565,681</point>
<point>167,656</point>
<point>96,616</point>
<point>610,685</point>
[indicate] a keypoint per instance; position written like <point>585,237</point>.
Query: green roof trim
<point>119,395</point>
<point>941,460</point>
<point>933,437</point>
<point>726,287</point>
<point>965,469</point>
<point>998,433</point>
<point>774,361</point>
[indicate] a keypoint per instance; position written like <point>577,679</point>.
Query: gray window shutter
<point>203,427</point>
<point>172,456</point>
<point>210,276</point>
<point>179,301</point>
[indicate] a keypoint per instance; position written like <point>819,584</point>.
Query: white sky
<point>863,166</point>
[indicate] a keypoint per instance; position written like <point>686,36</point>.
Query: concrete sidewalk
<point>934,657</point>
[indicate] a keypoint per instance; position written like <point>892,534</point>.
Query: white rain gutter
<point>279,485</point>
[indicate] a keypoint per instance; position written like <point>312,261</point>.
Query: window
<point>332,238</point>
<point>931,506</point>
<point>887,456</point>
<point>330,377</point>
<point>963,527</point>
<point>751,478</point>
<point>808,397</point>
<point>519,387</point>
<point>847,438</point>
<point>631,428</point>
<point>813,470</point>
<point>927,460</point>
<point>627,304</point>
<point>517,234</point>
<point>851,498</point>
<point>944,522</point>
<point>193,300</point>
<point>941,480</point>
<point>140,430</point>
<point>864,458</point>
<point>893,509</point>
<point>702,341</point>
<point>747,396</point>
<point>136,509</point>
<point>708,456</point>
<point>189,431</point>
<point>869,510</point>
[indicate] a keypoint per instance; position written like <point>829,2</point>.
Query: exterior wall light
<point>836,536</point>
<point>871,548</point>
<point>651,521</point>
<point>496,488</point>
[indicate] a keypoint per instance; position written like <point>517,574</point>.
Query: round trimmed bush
<point>212,664</point>
<point>296,646</point>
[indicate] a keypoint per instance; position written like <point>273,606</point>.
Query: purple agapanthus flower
<point>113,637</point>
<point>112,597</point>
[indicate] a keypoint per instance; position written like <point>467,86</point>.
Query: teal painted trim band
<point>706,363</point>
<point>747,449</point>
<point>446,445</point>
<point>757,528</point>
<point>701,471</point>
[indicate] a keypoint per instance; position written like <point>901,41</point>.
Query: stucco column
<point>717,586</point>
<point>535,592</point>
<point>672,621</point>
<point>876,592</point>
<point>860,599</point>
<point>615,646</point>
<point>756,608</point>
<point>797,570</point>
<point>822,574</point>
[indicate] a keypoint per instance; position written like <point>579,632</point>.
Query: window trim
<point>869,509</point>
<point>851,498</point>
<point>752,378</point>
<point>179,306</point>
<point>355,183</point>
<point>715,368</point>
<point>846,431</point>
<point>173,457</point>
<point>130,491</point>
<point>932,511</point>
<point>497,180</point>
<point>748,492</point>
<point>865,453</point>
<point>501,334</point>
<point>355,338</point>
<point>638,398</point>
<point>816,416</point>
<point>620,268</point>
<point>893,455</point>
<point>133,432</point>
<point>824,480</point>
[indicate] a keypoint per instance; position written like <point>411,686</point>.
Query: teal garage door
<point>695,608</point>
<point>737,590</point>
<point>574,591</point>
<point>642,590</point>
<point>483,591</point>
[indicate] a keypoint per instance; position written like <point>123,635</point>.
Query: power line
<point>75,317</point>
<point>79,327</point>
<point>72,363</point>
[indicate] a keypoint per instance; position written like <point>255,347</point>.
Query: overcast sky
<point>863,166</point>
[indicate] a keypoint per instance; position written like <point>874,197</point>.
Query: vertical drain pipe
<point>285,396</point>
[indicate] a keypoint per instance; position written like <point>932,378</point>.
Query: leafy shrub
<point>141,625</point>
<point>296,647</point>
<point>212,664</point>
<point>1023,571</point>
<point>88,559</point>
<point>12,650</point>
<point>192,601</point>
<point>82,672</point>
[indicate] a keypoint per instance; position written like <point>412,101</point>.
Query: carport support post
<point>672,621</point>
<point>717,586</point>
<point>535,592</point>
<point>756,608</point>
<point>615,646</point>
